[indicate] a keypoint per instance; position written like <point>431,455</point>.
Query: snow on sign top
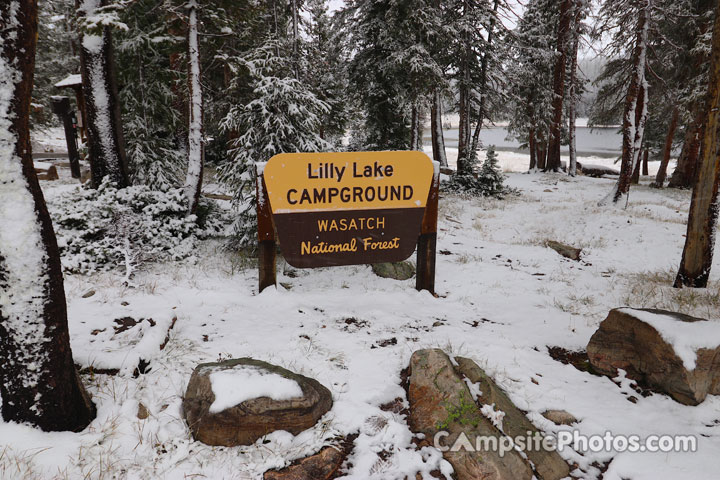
<point>70,81</point>
<point>686,338</point>
<point>235,385</point>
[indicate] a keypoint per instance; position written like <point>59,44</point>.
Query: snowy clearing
<point>504,298</point>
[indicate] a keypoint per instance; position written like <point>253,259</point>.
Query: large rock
<point>565,250</point>
<point>321,466</point>
<point>597,170</point>
<point>440,401</point>
<point>548,464</point>
<point>671,352</point>
<point>396,271</point>
<point>244,423</point>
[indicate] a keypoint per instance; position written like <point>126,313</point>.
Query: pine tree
<point>491,177</point>
<point>282,116</point>
<point>151,119</point>
<point>324,69</point>
<point>530,79</point>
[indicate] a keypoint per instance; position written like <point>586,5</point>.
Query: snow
<point>70,81</point>
<point>686,338</point>
<point>235,385</point>
<point>324,323</point>
<point>23,275</point>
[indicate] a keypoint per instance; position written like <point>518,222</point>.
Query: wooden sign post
<point>350,208</point>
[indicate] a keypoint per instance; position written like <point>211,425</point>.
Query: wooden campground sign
<point>332,209</point>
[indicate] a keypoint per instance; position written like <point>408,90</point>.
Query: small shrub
<point>487,182</point>
<point>109,227</point>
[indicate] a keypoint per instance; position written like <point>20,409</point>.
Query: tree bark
<point>541,145</point>
<point>702,222</point>
<point>415,133</point>
<point>646,155</point>
<point>667,150</point>
<point>684,172</point>
<point>634,103</point>
<point>483,80</point>
<point>105,138</point>
<point>533,152</point>
<point>464,164</point>
<point>553,157</point>
<point>572,108</point>
<point>436,131</point>
<point>196,154</point>
<point>38,380</point>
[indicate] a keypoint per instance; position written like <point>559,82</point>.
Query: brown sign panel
<point>348,208</point>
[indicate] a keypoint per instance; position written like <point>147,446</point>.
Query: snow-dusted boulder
<point>673,353</point>
<point>237,401</point>
<point>548,464</point>
<point>443,408</point>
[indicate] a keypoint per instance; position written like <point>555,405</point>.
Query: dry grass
<point>653,289</point>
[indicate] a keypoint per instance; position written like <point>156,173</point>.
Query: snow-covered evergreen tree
<point>530,79</point>
<point>150,115</point>
<point>283,115</point>
<point>324,69</point>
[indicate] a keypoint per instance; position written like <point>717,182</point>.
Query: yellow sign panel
<point>312,182</point>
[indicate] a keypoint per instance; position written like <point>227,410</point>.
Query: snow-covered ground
<point>503,299</point>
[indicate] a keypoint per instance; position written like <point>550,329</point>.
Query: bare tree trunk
<point>702,222</point>
<point>684,173</point>
<point>483,80</point>
<point>436,131</point>
<point>38,380</point>
<point>634,104</point>
<point>667,150</point>
<point>196,154</point>
<point>553,158</point>
<point>533,152</point>
<point>541,151</point>
<point>572,109</point>
<point>105,138</point>
<point>646,154</point>
<point>464,164</point>
<point>415,140</point>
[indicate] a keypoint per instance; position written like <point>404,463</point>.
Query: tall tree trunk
<point>646,154</point>
<point>572,108</point>
<point>436,131</point>
<point>702,222</point>
<point>415,132</point>
<point>667,150</point>
<point>684,172</point>
<point>533,152</point>
<point>553,158</point>
<point>296,62</point>
<point>38,380</point>
<point>196,154</point>
<point>541,155</point>
<point>464,163</point>
<point>105,137</point>
<point>483,79</point>
<point>634,106</point>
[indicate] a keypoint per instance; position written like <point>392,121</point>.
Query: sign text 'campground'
<point>348,208</point>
